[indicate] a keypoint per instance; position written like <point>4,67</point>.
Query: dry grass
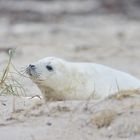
<point>103,118</point>
<point>125,94</point>
<point>8,84</point>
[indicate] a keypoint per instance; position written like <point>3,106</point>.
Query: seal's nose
<point>32,66</point>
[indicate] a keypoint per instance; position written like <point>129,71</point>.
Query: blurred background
<point>101,31</point>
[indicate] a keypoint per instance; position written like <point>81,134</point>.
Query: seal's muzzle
<point>30,70</point>
<point>32,67</point>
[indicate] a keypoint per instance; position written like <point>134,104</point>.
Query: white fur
<point>80,81</point>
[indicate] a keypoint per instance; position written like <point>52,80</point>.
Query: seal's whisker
<point>22,73</point>
<point>23,69</point>
<point>38,73</point>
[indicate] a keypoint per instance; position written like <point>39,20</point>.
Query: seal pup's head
<point>48,72</point>
<point>59,79</point>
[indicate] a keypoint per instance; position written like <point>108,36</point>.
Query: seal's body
<point>62,80</point>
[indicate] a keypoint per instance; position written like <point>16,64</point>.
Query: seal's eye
<point>49,68</point>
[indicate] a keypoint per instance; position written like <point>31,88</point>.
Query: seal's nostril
<point>32,66</point>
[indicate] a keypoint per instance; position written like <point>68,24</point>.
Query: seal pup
<point>59,79</point>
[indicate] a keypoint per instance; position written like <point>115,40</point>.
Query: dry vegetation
<point>103,118</point>
<point>8,83</point>
<point>125,94</point>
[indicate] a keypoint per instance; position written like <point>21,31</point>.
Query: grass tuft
<point>8,84</point>
<point>103,118</point>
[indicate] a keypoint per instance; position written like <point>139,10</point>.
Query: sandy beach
<point>112,40</point>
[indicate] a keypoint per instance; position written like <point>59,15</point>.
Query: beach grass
<point>8,84</point>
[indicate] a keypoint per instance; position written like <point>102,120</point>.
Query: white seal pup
<point>59,79</point>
